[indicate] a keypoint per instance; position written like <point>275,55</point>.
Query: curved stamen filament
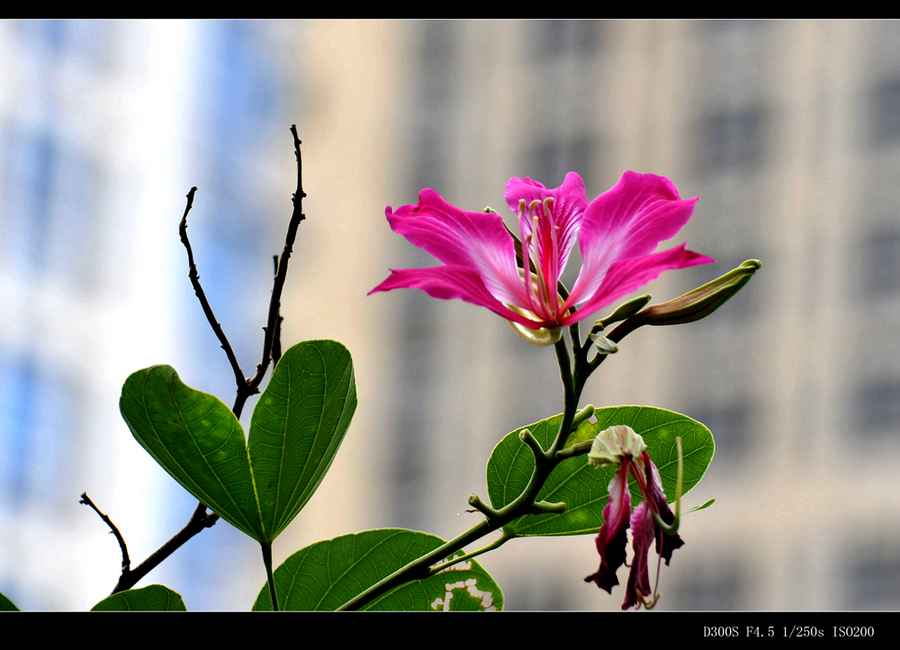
<point>671,529</point>
<point>540,250</point>
<point>526,274</point>
<point>527,244</point>
<point>543,296</point>
<point>553,261</point>
<point>648,604</point>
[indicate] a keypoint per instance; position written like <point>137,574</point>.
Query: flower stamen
<point>543,292</point>
<point>671,529</point>
<point>648,604</point>
<point>527,279</point>
<point>532,294</point>
<point>658,566</point>
<point>553,262</point>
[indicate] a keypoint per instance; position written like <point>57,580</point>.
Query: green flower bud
<point>623,311</point>
<point>693,305</point>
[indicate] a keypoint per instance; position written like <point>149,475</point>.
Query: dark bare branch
<point>201,295</point>
<point>199,520</point>
<point>276,338</point>
<point>245,387</point>
<point>126,562</point>
<point>272,325</point>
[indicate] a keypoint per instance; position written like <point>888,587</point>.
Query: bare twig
<point>272,325</point>
<point>276,342</point>
<point>126,563</point>
<point>199,520</point>
<point>276,339</point>
<point>201,295</point>
<point>245,386</point>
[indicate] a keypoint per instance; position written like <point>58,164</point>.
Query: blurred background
<point>789,131</point>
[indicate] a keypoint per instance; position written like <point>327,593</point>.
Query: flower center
<point>540,248</point>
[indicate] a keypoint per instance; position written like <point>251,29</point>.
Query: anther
<point>648,604</point>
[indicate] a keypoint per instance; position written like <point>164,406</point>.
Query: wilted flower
<point>617,234</point>
<point>620,445</point>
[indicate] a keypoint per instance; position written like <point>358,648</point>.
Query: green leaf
<point>297,427</point>
<point>295,432</point>
<point>6,605</point>
<point>154,598</point>
<point>584,488</point>
<point>328,574</point>
<point>197,440</point>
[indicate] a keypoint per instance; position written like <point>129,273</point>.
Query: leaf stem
<point>505,537</point>
<point>267,560</point>
<point>524,504</point>
<point>419,569</point>
<point>570,397</point>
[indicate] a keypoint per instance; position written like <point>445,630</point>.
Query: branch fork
<point>246,386</point>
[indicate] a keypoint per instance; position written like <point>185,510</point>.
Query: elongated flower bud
<point>693,305</point>
<point>624,311</point>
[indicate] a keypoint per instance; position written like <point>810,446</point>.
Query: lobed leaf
<point>297,427</point>
<point>295,431</point>
<point>585,488</point>
<point>197,440</point>
<point>6,605</point>
<point>154,598</point>
<point>330,573</point>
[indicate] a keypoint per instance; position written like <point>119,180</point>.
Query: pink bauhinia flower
<point>617,234</point>
<point>620,445</point>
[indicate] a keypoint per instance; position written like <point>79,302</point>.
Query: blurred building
<point>104,126</point>
<point>787,130</point>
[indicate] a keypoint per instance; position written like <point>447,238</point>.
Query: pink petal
<point>629,220</point>
<point>642,530</point>
<point>665,544</point>
<point>474,240</point>
<point>448,282</point>
<point>569,202</point>
<point>612,538</point>
<point>627,275</point>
